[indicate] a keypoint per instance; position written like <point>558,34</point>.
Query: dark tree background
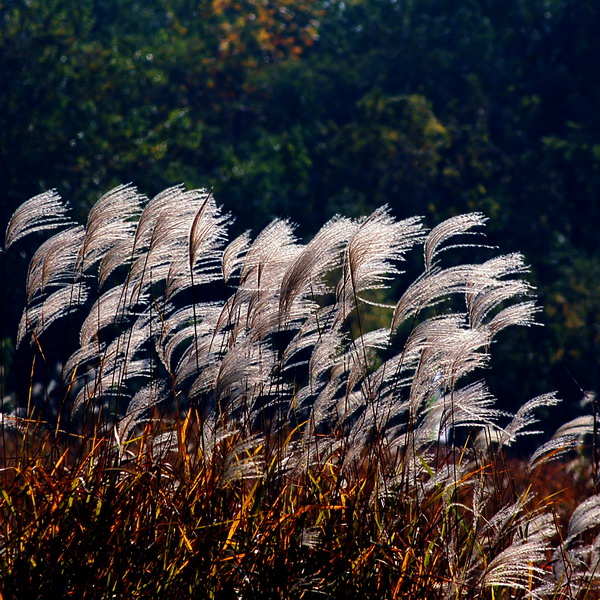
<point>313,107</point>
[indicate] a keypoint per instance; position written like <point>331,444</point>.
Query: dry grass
<point>227,428</point>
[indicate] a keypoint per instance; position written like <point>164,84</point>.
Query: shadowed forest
<point>308,109</point>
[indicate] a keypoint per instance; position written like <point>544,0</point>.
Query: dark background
<point>307,108</point>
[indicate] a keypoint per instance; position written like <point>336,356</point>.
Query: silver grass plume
<point>54,261</point>
<point>110,307</point>
<point>200,264</point>
<point>516,566</point>
<point>40,213</point>
<point>36,319</point>
<point>567,438</point>
<point>146,399</point>
<point>305,275</point>
<point>233,256</point>
<point>584,517</point>
<point>110,225</point>
<point>369,257</point>
<point>113,365</point>
<point>448,229</point>
<point>525,418</point>
<point>576,561</point>
<point>177,229</point>
<point>256,301</point>
<point>187,327</point>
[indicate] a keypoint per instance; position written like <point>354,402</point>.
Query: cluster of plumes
<point>265,337</point>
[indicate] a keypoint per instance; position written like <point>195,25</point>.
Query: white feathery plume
<point>186,325</point>
<point>518,566</point>
<point>128,343</point>
<point>579,426</point>
<point>348,407</point>
<point>487,289</point>
<point>314,453</point>
<point>275,245</point>
<point>257,299</point>
<point>309,333</point>
<point>505,519</point>
<point>215,435</point>
<point>458,225</point>
<point>166,243</point>
<point>470,406</point>
<point>586,516</point>
<point>177,275</point>
<point>234,254</point>
<point>65,301</point>
<point>305,275</point>
<point>54,261</point>
<point>208,232</point>
<point>162,234</point>
<point>95,389</point>
<point>568,437</point>
<point>524,418</point>
<point>168,201</point>
<point>361,388</point>
<point>148,397</point>
<point>202,261</point>
<point>320,403</point>
<point>111,224</point>
<point>522,314</point>
<point>40,213</point>
<point>179,231</point>
<point>246,370</point>
<point>265,318</point>
<point>201,359</point>
<point>91,353</point>
<point>116,364</point>
<point>324,356</point>
<point>229,356</point>
<point>553,449</point>
<point>378,242</point>
<point>107,310</point>
<point>449,476</point>
<point>360,355</point>
<point>485,296</point>
<point>504,266</point>
<point>575,572</point>
<point>429,290</point>
<point>447,347</point>
<point>121,253</point>
<point>110,380</point>
<point>576,562</point>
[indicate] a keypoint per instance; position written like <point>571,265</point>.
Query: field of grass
<point>228,424</point>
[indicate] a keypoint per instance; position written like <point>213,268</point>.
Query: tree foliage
<point>317,107</point>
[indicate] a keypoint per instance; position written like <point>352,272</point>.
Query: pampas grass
<point>227,426</point>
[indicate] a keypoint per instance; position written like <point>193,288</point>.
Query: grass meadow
<point>269,418</point>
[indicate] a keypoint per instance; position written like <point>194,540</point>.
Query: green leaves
<point>315,108</point>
